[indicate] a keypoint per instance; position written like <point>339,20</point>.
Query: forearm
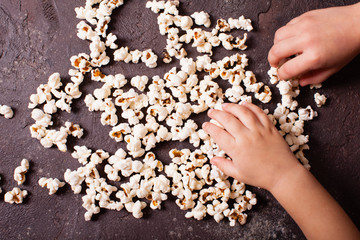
<point>356,19</point>
<point>318,215</point>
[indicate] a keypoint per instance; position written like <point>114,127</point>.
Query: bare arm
<point>260,157</point>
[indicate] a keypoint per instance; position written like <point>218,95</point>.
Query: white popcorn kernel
<point>50,107</point>
<point>307,114</point>
<point>81,62</point>
<point>222,25</point>
<point>122,54</point>
<point>20,171</point>
<point>74,130</point>
<point>54,81</point>
<point>319,99</point>
<point>52,184</point>
<point>6,111</point>
<point>110,41</point>
<point>109,119</point>
<point>234,93</point>
<point>139,131</point>
<point>74,179</point>
<point>99,156</point>
<point>199,212</point>
<point>15,196</point>
<point>264,96</point>
<point>188,65</point>
<point>149,58</point>
<point>118,131</point>
<point>201,18</point>
<point>82,153</point>
<point>139,82</point>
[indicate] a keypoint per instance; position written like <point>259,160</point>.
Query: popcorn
<point>139,82</point>
<point>136,208</point>
<point>118,131</point>
<point>240,23</point>
<point>20,171</point>
<point>319,99</point>
<point>201,18</point>
<point>82,153</point>
<point>81,62</point>
<point>222,25</point>
<point>199,212</point>
<point>74,179</point>
<point>110,41</point>
<point>149,58</point>
<point>15,196</point>
<point>52,184</point>
<point>197,185</point>
<point>6,111</point>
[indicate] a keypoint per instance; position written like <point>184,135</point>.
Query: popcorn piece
<point>110,41</point>
<point>82,153</point>
<point>136,208</point>
<point>222,25</point>
<point>74,179</point>
<point>6,111</point>
<point>201,18</point>
<point>149,58</point>
<point>241,23</point>
<point>15,196</point>
<point>52,184</point>
<point>20,171</point>
<point>139,82</point>
<point>319,99</point>
<point>199,212</point>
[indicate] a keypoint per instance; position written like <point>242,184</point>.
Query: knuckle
<point>285,72</point>
<point>315,59</point>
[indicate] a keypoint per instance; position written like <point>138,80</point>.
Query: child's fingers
<point>263,118</point>
<point>284,33</point>
<point>296,67</point>
<point>220,136</point>
<point>245,115</point>
<point>228,121</point>
<point>294,20</point>
<point>284,49</point>
<point>225,165</point>
<point>315,77</point>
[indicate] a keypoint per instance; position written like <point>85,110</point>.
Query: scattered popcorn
<point>20,171</point>
<point>159,110</point>
<point>15,196</point>
<point>50,183</point>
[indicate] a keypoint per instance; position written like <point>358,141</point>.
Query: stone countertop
<point>37,38</point>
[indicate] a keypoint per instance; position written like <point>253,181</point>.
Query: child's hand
<point>323,41</point>
<point>260,156</point>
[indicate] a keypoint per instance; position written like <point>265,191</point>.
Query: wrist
<point>289,180</point>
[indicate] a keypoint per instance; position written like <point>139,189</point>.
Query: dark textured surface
<point>37,38</point>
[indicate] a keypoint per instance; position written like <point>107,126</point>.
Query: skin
<point>322,41</point>
<point>261,157</point>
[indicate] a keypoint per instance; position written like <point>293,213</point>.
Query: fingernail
<point>210,111</point>
<point>213,161</point>
<point>204,125</point>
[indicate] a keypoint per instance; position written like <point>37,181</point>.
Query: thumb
<point>225,165</point>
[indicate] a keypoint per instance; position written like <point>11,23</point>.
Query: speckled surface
<point>37,38</point>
